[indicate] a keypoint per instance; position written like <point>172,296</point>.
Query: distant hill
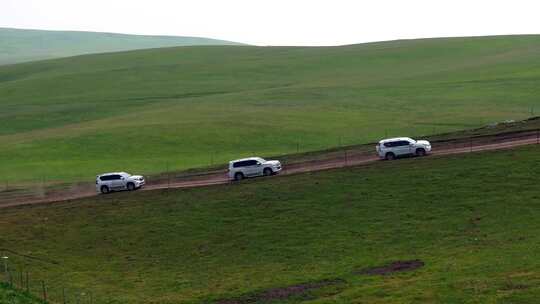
<point>148,111</point>
<point>18,45</point>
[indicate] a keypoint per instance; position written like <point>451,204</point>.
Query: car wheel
<point>239,176</point>
<point>131,186</point>
<point>267,171</point>
<point>420,152</point>
<point>105,189</point>
<point>390,156</point>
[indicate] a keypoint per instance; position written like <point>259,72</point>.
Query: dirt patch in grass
<point>398,266</point>
<point>299,291</point>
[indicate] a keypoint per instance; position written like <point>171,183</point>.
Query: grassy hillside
<point>18,45</point>
<point>478,242</point>
<point>174,108</point>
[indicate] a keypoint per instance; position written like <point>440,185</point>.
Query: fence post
<point>5,258</point>
<point>44,291</point>
<point>43,186</point>
<point>27,283</point>
<point>168,178</point>
<point>21,278</point>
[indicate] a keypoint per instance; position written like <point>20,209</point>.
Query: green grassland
<point>176,108</point>
<point>19,45</point>
<point>472,219</point>
<point>9,295</point>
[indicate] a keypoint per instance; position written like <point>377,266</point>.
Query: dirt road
<point>344,160</point>
<point>221,178</point>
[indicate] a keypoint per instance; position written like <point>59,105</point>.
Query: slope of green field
<point>9,295</point>
<point>478,242</point>
<point>18,45</point>
<point>175,108</point>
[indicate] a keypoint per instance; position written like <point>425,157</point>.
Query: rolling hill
<point>18,45</point>
<point>164,109</point>
<point>468,222</point>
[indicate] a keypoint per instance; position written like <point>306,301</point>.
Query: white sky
<point>280,22</point>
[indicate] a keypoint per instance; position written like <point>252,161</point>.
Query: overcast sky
<point>280,22</point>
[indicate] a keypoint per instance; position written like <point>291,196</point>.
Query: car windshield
<point>261,160</point>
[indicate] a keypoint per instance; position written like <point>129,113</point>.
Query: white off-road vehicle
<point>402,146</point>
<point>253,166</point>
<point>117,181</point>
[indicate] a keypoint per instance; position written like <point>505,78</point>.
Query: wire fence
<point>18,276</point>
<point>44,190</point>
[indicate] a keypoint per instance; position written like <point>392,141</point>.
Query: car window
<point>104,178</point>
<point>402,143</point>
<point>115,177</point>
<point>239,164</point>
<point>251,163</point>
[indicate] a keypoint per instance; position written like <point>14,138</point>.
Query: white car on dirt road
<point>251,167</point>
<point>402,146</point>
<point>117,181</point>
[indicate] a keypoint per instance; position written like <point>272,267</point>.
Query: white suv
<point>253,166</point>
<point>108,182</point>
<point>402,146</point>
